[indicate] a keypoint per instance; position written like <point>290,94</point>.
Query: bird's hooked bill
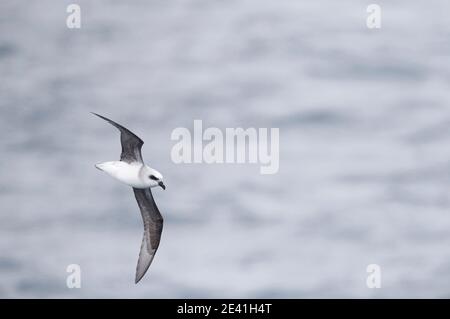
<point>162,185</point>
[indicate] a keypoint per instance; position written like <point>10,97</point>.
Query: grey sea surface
<point>364,119</point>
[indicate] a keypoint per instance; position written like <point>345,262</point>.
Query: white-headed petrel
<point>132,171</point>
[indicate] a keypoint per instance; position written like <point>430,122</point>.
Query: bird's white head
<point>152,177</point>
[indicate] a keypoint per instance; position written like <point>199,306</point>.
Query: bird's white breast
<point>125,173</point>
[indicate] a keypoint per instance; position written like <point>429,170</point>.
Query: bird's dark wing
<point>131,144</point>
<point>153,225</point>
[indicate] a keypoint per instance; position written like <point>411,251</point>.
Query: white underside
<point>125,173</point>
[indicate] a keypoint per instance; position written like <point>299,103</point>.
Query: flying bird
<point>132,171</point>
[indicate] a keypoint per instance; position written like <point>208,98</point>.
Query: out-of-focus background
<point>364,118</point>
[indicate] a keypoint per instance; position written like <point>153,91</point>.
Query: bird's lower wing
<point>153,225</point>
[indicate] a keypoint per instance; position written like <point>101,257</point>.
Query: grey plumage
<point>131,144</point>
<point>153,225</point>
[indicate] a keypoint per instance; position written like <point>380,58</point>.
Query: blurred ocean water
<point>364,122</point>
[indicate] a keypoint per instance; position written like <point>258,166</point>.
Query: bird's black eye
<point>153,177</point>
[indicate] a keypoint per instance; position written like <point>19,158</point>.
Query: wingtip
<point>137,279</point>
<point>108,120</point>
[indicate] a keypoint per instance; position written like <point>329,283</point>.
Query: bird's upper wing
<point>131,144</point>
<point>153,225</point>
